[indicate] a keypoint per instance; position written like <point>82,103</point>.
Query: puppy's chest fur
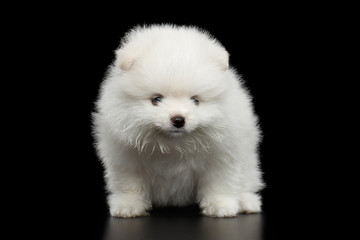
<point>172,178</point>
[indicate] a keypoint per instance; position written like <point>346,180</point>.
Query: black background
<point>59,57</point>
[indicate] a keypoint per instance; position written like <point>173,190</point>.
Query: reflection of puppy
<point>174,126</point>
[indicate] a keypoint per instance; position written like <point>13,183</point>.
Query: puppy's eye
<point>156,99</point>
<point>195,100</point>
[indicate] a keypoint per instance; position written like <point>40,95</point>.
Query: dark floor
<point>187,223</point>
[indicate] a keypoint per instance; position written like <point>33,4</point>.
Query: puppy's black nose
<point>178,121</point>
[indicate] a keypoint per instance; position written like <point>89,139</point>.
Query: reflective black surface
<point>186,223</point>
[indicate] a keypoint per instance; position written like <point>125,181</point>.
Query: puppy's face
<point>175,102</point>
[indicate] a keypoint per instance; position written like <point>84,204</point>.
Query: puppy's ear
<point>220,55</point>
<point>124,59</point>
<point>223,59</point>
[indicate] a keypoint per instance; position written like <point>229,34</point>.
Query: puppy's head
<point>167,82</point>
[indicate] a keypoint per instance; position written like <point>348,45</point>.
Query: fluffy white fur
<point>212,160</point>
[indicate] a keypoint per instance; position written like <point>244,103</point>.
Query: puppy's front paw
<point>250,203</point>
<point>126,206</point>
<point>220,206</point>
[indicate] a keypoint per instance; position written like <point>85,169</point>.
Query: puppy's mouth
<point>175,132</point>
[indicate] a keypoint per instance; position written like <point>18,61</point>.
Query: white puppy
<point>174,126</point>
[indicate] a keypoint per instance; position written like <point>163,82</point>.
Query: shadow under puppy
<point>175,126</point>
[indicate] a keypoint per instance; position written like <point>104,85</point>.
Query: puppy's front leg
<point>125,181</point>
<point>128,193</point>
<point>217,194</point>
